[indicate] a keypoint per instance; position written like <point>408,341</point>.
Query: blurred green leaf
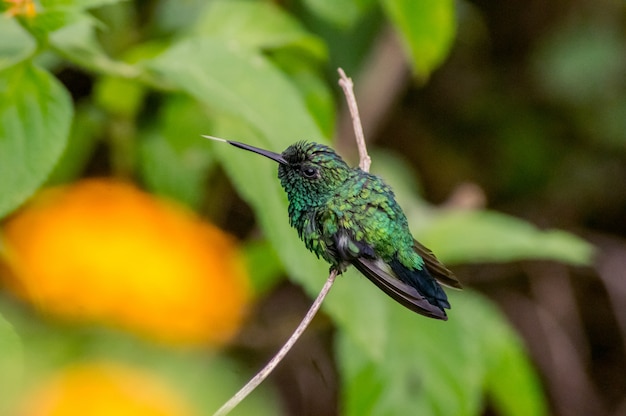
<point>53,18</point>
<point>182,121</point>
<point>510,371</point>
<point>439,368</point>
<point>475,236</point>
<point>582,62</point>
<point>581,65</point>
<point>77,42</point>
<point>264,266</point>
<point>427,28</point>
<point>257,24</point>
<point>427,368</point>
<point>318,97</point>
<point>481,236</point>
<point>35,116</point>
<point>400,175</point>
<point>609,122</point>
<point>119,93</point>
<point>90,4</point>
<point>173,157</point>
<point>15,43</point>
<point>119,96</point>
<point>176,175</point>
<point>342,13</point>
<point>240,83</point>
<point>11,365</point>
<point>87,126</point>
<point>53,15</point>
<point>78,4</point>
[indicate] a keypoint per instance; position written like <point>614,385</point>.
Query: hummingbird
<point>350,217</point>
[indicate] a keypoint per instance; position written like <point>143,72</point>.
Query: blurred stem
<point>122,134</point>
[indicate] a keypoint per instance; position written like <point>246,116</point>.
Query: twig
<point>364,164</point>
<point>348,89</point>
<point>269,367</point>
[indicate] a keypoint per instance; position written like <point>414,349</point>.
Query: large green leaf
<point>427,28</point>
<point>580,61</point>
<point>242,83</point>
<point>342,13</point>
<point>440,368</point>
<point>258,25</point>
<point>481,236</point>
<point>256,103</point>
<point>56,14</point>
<point>87,126</point>
<point>173,158</point>
<point>35,117</point>
<point>78,4</point>
<point>509,371</point>
<point>475,236</point>
<point>317,94</point>
<point>15,43</point>
<point>176,175</point>
<point>264,265</point>
<point>52,15</point>
<point>77,42</point>
<point>90,4</point>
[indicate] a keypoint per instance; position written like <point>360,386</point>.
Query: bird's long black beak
<point>271,155</point>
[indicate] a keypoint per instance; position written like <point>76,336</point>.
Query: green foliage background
<point>163,73</point>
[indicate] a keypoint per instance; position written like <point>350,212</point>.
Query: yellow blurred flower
<point>103,389</point>
<point>104,251</point>
<point>21,8</point>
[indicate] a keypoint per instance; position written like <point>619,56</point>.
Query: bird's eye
<point>309,172</point>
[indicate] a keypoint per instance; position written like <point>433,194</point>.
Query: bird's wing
<point>374,270</point>
<point>435,267</point>
<point>363,257</point>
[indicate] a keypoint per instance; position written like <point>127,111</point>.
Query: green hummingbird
<point>350,217</point>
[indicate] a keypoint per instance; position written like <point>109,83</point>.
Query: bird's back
<point>366,207</point>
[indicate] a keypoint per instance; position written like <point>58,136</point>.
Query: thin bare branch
<point>348,89</point>
<point>269,367</point>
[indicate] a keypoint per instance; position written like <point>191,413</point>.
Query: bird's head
<point>309,172</point>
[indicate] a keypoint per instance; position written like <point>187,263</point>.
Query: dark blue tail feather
<point>423,282</point>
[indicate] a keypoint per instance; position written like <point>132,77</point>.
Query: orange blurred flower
<point>21,8</point>
<point>103,389</point>
<point>104,251</point>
